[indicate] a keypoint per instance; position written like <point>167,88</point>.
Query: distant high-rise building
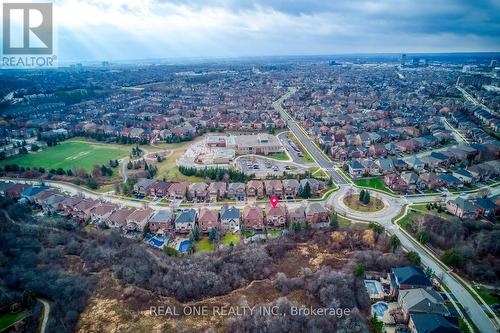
<point>403,59</point>
<point>415,61</point>
<point>493,63</point>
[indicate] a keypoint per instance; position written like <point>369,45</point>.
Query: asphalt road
<point>322,161</point>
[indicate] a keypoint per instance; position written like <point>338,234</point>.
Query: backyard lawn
<point>71,154</point>
<point>375,183</point>
<point>274,232</point>
<point>228,238</point>
<point>204,245</point>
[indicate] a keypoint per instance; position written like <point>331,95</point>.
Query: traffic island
<point>353,202</point>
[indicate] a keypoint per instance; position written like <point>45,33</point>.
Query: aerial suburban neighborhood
<point>250,166</point>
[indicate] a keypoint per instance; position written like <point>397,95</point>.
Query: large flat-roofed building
<point>261,143</point>
<point>257,144</point>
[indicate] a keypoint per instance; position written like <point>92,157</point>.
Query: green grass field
<point>227,238</point>
<point>71,155</point>
<point>375,183</point>
<point>204,245</point>
<point>279,156</point>
<point>8,319</point>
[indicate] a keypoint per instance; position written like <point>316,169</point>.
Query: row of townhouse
<point>201,191</point>
<point>232,219</point>
<point>129,220</point>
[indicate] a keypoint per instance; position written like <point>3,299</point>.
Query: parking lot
<point>264,167</point>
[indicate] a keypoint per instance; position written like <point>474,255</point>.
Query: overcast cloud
<point>141,29</point>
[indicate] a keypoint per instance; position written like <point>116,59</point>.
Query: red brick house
<point>208,219</point>
<point>253,218</point>
<point>275,216</point>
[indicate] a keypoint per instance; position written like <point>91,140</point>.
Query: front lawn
<point>376,183</point>
<point>228,238</point>
<point>204,245</point>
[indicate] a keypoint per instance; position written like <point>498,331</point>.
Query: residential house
<point>208,219</point>
<point>413,182</point>
<point>290,188</point>
<point>316,213</point>
<point>385,165</point>
<point>118,219</point>
<point>314,184</point>
<point>464,175</point>
<point>297,215</point>
<point>274,187</point>
<point>15,190</point>
<point>486,208</point>
<point>30,192</point>
<point>449,180</point>
<point>275,216</point>
<point>217,191</point>
<point>4,186</point>
<point>236,191</point>
<point>253,218</point>
<point>356,169</point>
<point>159,189</point>
<point>143,186</point>
<point>407,277</point>
<point>255,189</point>
<point>415,163</point>
<point>462,208</point>
<point>50,204</point>
<point>81,212</point>
<point>230,219</point>
<point>431,180</point>
<point>161,221</point>
<point>102,212</point>
<point>185,220</point>
<point>198,192</point>
<point>178,190</point>
<point>395,182</point>
<point>433,323</point>
<point>138,220</point>
<point>67,205</point>
<point>421,300</point>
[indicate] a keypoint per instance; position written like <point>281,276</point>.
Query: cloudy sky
<point>142,29</point>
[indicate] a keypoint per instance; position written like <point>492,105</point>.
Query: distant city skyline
<point>124,30</point>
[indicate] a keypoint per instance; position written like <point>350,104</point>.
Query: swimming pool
<point>184,246</point>
<point>379,308</point>
<point>375,289</point>
<point>156,242</point>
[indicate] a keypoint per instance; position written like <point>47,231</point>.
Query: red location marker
<point>273,200</point>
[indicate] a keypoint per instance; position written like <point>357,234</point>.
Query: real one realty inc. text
<point>232,311</point>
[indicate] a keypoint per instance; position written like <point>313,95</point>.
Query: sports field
<point>71,154</point>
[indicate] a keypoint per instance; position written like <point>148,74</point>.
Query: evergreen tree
<point>366,199</point>
<point>362,196</point>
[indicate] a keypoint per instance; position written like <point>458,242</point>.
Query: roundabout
<point>354,202</point>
